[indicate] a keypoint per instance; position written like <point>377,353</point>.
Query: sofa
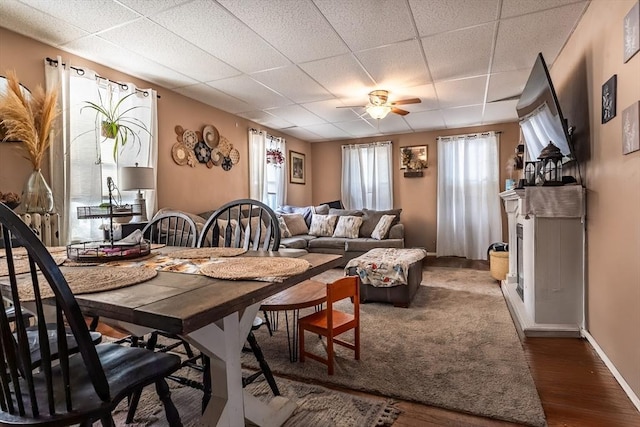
<point>354,238</point>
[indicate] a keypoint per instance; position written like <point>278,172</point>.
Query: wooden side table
<point>306,294</point>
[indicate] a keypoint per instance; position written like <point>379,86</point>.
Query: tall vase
<point>37,196</point>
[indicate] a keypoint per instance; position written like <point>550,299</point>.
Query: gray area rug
<point>456,347</point>
<point>317,406</point>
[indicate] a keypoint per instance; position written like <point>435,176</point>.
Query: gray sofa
<point>348,247</point>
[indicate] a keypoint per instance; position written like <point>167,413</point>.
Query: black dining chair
<point>252,225</point>
<point>78,388</point>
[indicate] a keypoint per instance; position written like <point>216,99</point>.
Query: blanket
<point>385,267</point>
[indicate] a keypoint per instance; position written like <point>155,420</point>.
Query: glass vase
<point>37,196</point>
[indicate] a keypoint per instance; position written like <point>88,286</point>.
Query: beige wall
<point>193,189</point>
<point>592,55</point>
<point>416,196</point>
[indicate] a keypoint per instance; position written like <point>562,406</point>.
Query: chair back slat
<point>25,390</point>
<point>172,229</point>
<point>243,223</point>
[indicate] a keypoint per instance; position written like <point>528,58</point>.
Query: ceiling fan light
<point>378,111</point>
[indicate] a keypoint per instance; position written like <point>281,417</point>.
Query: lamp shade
<point>136,178</point>
<point>378,111</point>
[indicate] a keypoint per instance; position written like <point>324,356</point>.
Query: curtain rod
<point>366,144</point>
<point>271,137</point>
<point>470,135</point>
<point>81,72</point>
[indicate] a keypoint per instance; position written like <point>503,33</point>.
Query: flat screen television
<point>540,116</point>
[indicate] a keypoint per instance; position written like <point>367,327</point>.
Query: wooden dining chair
<point>172,229</point>
<point>331,323</point>
<point>78,388</point>
<point>252,225</point>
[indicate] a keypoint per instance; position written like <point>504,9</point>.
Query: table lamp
<point>137,178</point>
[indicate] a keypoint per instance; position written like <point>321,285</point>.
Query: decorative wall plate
<point>211,136</point>
<point>234,155</point>
<point>179,153</point>
<point>216,157</point>
<point>226,163</point>
<point>203,152</point>
<point>190,138</point>
<point>225,146</point>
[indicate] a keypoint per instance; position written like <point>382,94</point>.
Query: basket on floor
<point>499,262</point>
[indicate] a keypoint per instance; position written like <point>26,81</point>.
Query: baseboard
<point>634,399</point>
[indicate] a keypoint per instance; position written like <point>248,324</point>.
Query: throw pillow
<point>284,230</point>
<point>322,225</point>
<point>255,223</point>
<point>295,224</point>
<point>348,226</point>
<point>371,219</point>
<point>382,229</point>
<point>224,227</point>
<point>340,212</point>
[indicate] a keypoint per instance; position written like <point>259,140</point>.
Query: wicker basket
<point>499,261</point>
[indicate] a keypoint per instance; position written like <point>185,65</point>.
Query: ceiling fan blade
<point>508,98</point>
<point>399,111</point>
<point>406,101</point>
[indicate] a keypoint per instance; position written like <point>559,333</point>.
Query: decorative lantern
<point>551,165</point>
<point>530,173</point>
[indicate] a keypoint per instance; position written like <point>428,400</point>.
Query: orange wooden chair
<point>330,323</point>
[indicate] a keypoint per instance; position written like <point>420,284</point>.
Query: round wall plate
<point>179,153</point>
<point>211,136</point>
<point>203,152</point>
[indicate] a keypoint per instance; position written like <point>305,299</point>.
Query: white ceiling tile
<point>426,93</point>
<point>512,54</point>
<point>507,84</point>
<point>327,131</point>
<point>358,128</point>
<point>302,133</point>
<point>82,14</point>
<point>250,91</point>
<point>463,116</point>
<point>104,52</point>
<point>143,38</point>
<point>211,96</point>
<point>295,28</point>
<point>512,8</point>
<point>437,16</point>
<point>393,123</point>
<point>297,115</point>
<point>210,27</point>
<point>36,24</point>
<point>397,65</point>
<point>475,42</point>
<point>425,120</point>
<point>266,119</point>
<point>329,111</point>
<point>340,75</point>
<point>500,112</point>
<point>148,8</point>
<point>293,83</point>
<point>363,25</point>
<point>456,93</point>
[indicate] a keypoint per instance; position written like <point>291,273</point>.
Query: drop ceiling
<point>287,64</point>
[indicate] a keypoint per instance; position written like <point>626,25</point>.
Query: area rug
<point>456,347</point>
<point>317,406</point>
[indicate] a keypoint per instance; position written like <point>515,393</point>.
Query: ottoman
<point>388,274</point>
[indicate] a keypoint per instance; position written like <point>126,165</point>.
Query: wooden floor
<point>575,386</point>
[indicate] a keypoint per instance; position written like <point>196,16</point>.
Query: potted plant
<point>115,121</point>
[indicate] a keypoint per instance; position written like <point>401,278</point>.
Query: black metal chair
<point>77,389</point>
<point>252,225</point>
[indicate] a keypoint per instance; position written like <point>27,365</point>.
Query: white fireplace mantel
<point>551,298</point>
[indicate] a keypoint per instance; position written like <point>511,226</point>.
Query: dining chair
<point>331,323</point>
<point>172,229</point>
<point>252,225</point>
<point>78,388</point>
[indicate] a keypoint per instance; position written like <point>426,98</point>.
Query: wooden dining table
<point>215,316</point>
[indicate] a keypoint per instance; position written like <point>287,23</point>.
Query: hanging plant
<point>275,157</point>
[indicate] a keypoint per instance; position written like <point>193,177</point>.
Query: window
<point>367,177</point>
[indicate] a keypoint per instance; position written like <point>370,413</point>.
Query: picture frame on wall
<point>296,168</point>
<point>631,128</point>
<point>609,99</point>
<point>413,157</point>
<point>631,35</point>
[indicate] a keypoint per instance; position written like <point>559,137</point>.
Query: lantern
<point>530,173</point>
<point>551,165</point>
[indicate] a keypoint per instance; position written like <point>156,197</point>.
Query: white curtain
<point>539,129</point>
<point>267,181</point>
<point>468,218</point>
<point>367,177</point>
<point>81,160</point>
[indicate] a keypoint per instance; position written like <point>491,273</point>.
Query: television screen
<point>540,116</point>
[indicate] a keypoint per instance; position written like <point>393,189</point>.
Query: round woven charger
<point>207,253</point>
<point>93,279</point>
<point>21,251</point>
<point>255,267</point>
<point>21,264</point>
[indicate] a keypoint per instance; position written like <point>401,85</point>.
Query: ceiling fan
<point>378,106</point>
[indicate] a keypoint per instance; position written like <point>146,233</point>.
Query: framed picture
<point>296,168</point>
<point>631,38</point>
<point>631,128</point>
<point>609,99</point>
<point>413,157</point>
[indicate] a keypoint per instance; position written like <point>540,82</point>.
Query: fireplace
<point>520,262</point>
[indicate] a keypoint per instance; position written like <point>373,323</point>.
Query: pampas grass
<point>29,121</point>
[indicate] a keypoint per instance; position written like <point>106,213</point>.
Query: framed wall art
<point>609,99</point>
<point>296,168</point>
<point>413,157</point>
<point>631,37</point>
<point>631,128</point>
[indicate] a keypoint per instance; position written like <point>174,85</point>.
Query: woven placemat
<point>256,268</point>
<point>93,279</point>
<point>207,253</point>
<point>21,263</point>
<point>21,251</point>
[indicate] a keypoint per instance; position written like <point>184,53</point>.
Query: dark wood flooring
<point>575,386</point>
